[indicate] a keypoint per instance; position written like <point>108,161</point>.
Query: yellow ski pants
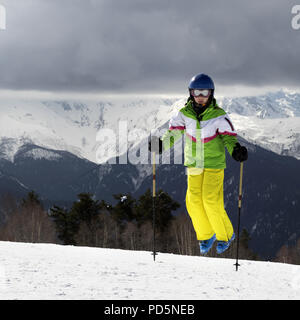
<point>205,204</point>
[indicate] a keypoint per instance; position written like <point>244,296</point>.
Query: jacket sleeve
<point>227,133</point>
<point>175,131</point>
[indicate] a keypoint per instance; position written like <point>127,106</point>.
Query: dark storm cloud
<point>144,45</point>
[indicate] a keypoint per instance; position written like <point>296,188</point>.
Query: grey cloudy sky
<point>147,45</point>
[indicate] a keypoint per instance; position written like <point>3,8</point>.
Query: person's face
<point>201,98</point>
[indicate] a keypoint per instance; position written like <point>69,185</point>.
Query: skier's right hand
<point>239,153</point>
<point>155,145</point>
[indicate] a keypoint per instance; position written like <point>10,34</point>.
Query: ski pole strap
<point>241,182</point>
<point>153,170</point>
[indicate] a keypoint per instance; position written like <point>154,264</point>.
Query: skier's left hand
<point>239,153</point>
<point>155,145</point>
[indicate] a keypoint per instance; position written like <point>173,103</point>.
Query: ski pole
<point>239,216</point>
<point>153,204</point>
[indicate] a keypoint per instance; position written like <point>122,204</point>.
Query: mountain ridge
<point>269,120</point>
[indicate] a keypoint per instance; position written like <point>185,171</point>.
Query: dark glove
<point>239,153</point>
<point>155,145</point>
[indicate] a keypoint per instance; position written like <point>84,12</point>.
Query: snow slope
<point>48,271</point>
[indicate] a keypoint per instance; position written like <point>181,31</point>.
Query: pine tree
<point>31,199</point>
<point>125,209</point>
<point>66,225</point>
<point>164,205</point>
<point>83,216</point>
<point>86,209</point>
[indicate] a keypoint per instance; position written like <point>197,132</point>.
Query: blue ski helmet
<point>201,81</point>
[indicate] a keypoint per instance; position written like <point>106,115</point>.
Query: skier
<point>208,130</point>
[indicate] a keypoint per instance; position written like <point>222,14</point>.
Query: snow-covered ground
<point>48,271</point>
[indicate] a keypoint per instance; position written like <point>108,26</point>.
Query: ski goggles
<point>200,92</point>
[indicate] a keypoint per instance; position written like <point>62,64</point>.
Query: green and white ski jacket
<point>206,136</point>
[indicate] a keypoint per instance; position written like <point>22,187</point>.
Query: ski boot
<point>224,245</point>
<point>205,245</point>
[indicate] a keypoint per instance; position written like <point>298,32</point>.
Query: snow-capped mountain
<point>273,105</point>
<point>271,121</point>
<point>79,127</point>
<point>74,126</point>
